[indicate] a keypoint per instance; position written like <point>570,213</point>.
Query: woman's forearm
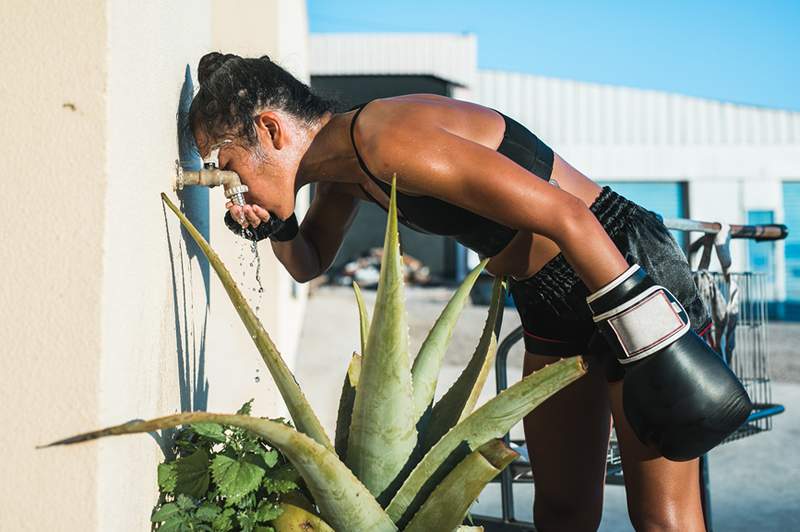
<point>299,256</point>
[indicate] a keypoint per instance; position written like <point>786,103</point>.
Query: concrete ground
<point>755,482</point>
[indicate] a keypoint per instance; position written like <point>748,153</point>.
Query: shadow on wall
<point>190,325</point>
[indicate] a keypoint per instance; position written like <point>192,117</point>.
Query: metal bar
<point>705,493</point>
<point>754,232</point>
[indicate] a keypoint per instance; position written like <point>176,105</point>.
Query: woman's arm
<point>328,219</point>
<point>434,162</point>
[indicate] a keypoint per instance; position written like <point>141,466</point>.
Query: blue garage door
<point>791,217</point>
<point>665,198</point>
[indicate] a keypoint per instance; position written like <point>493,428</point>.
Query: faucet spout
<point>211,176</point>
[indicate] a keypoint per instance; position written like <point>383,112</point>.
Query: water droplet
<point>257,379</point>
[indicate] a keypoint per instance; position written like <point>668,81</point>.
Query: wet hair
<point>233,89</point>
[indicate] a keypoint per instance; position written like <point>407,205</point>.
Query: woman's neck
<point>329,156</point>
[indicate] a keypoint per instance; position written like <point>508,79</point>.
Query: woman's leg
<point>567,438</point>
<point>662,495</point>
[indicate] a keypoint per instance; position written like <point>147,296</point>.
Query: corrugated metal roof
<point>448,56</point>
<point>581,113</point>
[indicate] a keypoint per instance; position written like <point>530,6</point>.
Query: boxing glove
<point>274,228</point>
<point>678,394</point>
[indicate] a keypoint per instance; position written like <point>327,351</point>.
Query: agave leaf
<point>492,420</point>
<point>363,317</point>
<point>296,519</point>
<point>343,501</point>
<point>460,399</point>
<point>448,504</point>
<point>346,401</point>
<point>428,362</point>
<point>465,528</point>
<point>382,430</point>
<point>299,408</point>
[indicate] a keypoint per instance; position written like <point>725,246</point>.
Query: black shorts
<point>552,302</point>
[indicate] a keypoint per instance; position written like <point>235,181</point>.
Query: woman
<point>577,256</point>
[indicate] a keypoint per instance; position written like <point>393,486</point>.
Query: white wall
<point>104,315</point>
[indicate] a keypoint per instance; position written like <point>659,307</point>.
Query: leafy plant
<point>399,462</point>
<point>222,479</point>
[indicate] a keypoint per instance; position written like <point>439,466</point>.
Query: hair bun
<point>209,64</point>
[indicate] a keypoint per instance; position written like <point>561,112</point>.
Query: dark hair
<point>233,88</point>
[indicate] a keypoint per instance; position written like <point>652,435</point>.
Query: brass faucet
<point>211,176</point>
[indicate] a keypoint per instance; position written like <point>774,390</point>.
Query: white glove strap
<point>647,323</point>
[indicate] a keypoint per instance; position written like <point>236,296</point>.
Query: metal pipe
<point>211,176</point>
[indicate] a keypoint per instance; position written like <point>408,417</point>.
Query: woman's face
<point>253,166</point>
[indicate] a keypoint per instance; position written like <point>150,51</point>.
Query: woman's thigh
<point>567,438</point>
<point>662,494</point>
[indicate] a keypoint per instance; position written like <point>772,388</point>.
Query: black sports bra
<point>427,214</point>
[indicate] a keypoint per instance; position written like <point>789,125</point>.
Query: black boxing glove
<point>678,394</point>
<point>274,228</point>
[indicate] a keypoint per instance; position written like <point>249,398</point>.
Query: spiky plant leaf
<point>448,504</point>
<point>296,519</point>
<point>460,399</point>
<point>299,408</point>
<point>346,402</point>
<point>363,317</point>
<point>343,501</point>
<point>382,429</point>
<point>492,420</point>
<point>428,362</point>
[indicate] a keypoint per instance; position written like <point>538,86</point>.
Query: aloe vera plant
<point>399,461</point>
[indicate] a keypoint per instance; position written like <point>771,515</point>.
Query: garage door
<point>791,217</point>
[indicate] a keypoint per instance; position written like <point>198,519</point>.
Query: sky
<point>736,51</point>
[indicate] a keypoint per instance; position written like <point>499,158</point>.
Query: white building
<point>678,155</point>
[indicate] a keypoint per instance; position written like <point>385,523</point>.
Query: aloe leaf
<point>299,408</point>
<point>363,317</point>
<point>296,519</point>
<point>491,420</point>
<point>343,501</point>
<point>460,399</point>
<point>346,401</point>
<point>448,504</point>
<point>428,362</point>
<point>382,429</point>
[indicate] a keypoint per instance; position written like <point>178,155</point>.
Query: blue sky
<point>737,51</point>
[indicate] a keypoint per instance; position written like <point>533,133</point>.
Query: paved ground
<point>755,481</point>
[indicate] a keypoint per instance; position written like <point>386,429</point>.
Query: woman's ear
<point>270,128</point>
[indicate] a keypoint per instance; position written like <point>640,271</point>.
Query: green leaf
<point>363,317</point>
<point>343,501</point>
<point>460,399</point>
<point>268,511</point>
<point>264,529</point>
<point>207,513</point>
<point>492,420</point>
<point>246,408</point>
<point>297,403</point>
<point>383,429</point>
<point>210,431</point>
<point>192,476</point>
<point>235,478</point>
<point>278,486</point>
<point>270,457</point>
<point>428,362</point>
<point>174,524</point>
<point>448,504</point>
<point>224,521</point>
<point>167,477</point>
<point>185,503</point>
<point>346,401</point>
<point>165,512</point>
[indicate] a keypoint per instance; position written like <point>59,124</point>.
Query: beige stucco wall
<point>104,315</point>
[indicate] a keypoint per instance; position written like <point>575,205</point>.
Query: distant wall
<point>106,312</point>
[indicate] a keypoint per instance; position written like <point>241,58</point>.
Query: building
<point>108,313</point>
<point>678,155</point>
